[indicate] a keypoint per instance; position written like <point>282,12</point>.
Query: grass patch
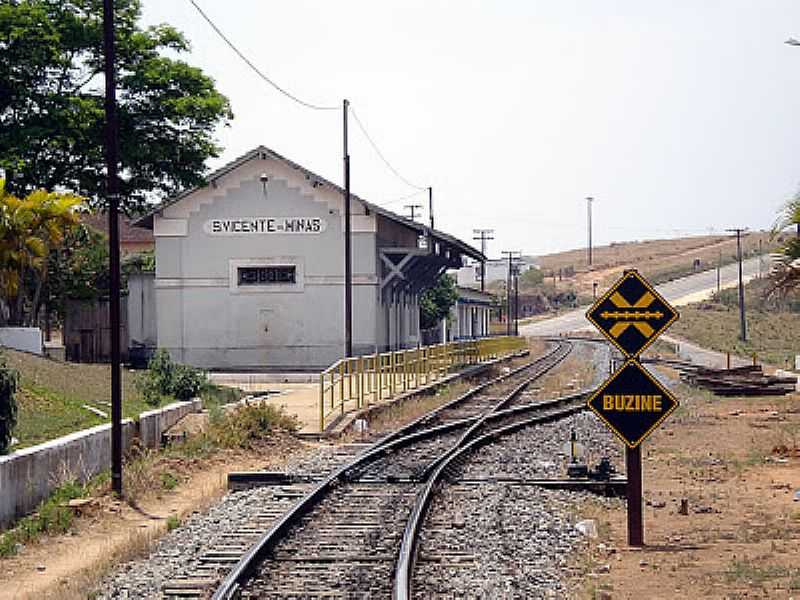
<point>215,396</point>
<point>746,571</point>
<point>173,522</point>
<point>52,395</point>
<point>773,330</point>
<point>52,517</point>
<point>149,472</point>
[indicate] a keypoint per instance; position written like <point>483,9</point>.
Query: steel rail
<point>408,549</point>
<point>230,585</point>
<point>472,392</point>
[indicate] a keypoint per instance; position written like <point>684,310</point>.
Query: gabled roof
<point>127,233</point>
<point>262,152</point>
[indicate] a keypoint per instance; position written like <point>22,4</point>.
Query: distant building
<point>250,269</point>
<point>131,239</point>
<point>469,316</point>
<point>496,270</point>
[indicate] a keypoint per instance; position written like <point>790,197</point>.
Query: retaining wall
<point>30,475</point>
<point>155,422</point>
<point>26,339</point>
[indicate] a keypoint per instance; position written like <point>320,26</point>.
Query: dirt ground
<point>110,531</point>
<point>737,463</point>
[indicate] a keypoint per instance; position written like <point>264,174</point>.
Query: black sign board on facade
<point>631,314</point>
<point>632,403</point>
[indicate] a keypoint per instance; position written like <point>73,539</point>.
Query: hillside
<point>659,260</point>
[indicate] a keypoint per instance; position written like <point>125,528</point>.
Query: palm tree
<point>29,228</point>
<point>786,272</point>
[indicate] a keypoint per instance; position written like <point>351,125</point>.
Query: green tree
<point>29,228</point>
<point>51,102</point>
<point>9,379</point>
<point>77,269</point>
<point>786,272</point>
<point>531,277</point>
<point>436,301</point>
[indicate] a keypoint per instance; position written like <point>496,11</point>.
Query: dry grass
<point>773,333</point>
<point>658,260</point>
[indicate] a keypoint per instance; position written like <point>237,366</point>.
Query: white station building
<point>250,270</point>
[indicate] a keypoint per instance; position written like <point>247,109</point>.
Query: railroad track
<point>343,537</point>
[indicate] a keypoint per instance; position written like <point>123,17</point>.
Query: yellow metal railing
<point>353,383</point>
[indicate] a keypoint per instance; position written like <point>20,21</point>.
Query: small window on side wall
<point>267,275</point>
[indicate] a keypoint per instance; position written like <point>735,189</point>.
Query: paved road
<point>678,292</point>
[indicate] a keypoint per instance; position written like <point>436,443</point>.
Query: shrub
<point>9,380</point>
<point>160,370</point>
<point>243,427</point>
<point>186,382</point>
<point>165,378</point>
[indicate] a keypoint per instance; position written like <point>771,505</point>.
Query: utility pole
<point>112,195</point>
<point>743,322</point>
<point>516,299</point>
<point>413,208</point>
<point>348,266</point>
<point>511,255</point>
<point>759,258</point>
<point>484,235</point>
<point>719,267</point>
<point>430,205</point>
<point>589,201</point>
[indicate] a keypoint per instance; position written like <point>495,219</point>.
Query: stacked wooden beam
<point>739,381</point>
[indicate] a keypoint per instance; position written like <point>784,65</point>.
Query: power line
<point>380,154</point>
<point>401,198</point>
<point>256,69</point>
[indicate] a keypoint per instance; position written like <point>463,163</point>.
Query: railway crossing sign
<point>632,403</point>
<point>631,314</point>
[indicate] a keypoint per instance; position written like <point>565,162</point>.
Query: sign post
<point>632,403</point>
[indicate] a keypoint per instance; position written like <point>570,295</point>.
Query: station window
<point>266,275</point>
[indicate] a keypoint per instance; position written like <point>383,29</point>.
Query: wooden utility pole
<point>484,235</point>
<point>348,265</point>
<point>112,196</point>
<point>511,255</point>
<point>413,208</point>
<point>430,205</point>
<point>742,320</point>
<point>589,224</point>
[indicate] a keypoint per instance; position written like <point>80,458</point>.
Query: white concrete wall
<point>207,320</point>
<point>142,309</point>
<point>27,339</point>
<point>30,475</point>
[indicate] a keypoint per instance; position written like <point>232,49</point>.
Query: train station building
<point>250,270</point>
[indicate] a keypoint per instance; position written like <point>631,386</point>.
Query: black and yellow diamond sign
<point>632,403</point>
<point>632,314</point>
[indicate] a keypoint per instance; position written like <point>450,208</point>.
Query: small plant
<point>165,378</point>
<point>186,382</point>
<point>52,517</point>
<point>168,481</point>
<point>9,380</point>
<point>173,522</point>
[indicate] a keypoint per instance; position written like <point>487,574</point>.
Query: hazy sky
<point>676,116</point>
